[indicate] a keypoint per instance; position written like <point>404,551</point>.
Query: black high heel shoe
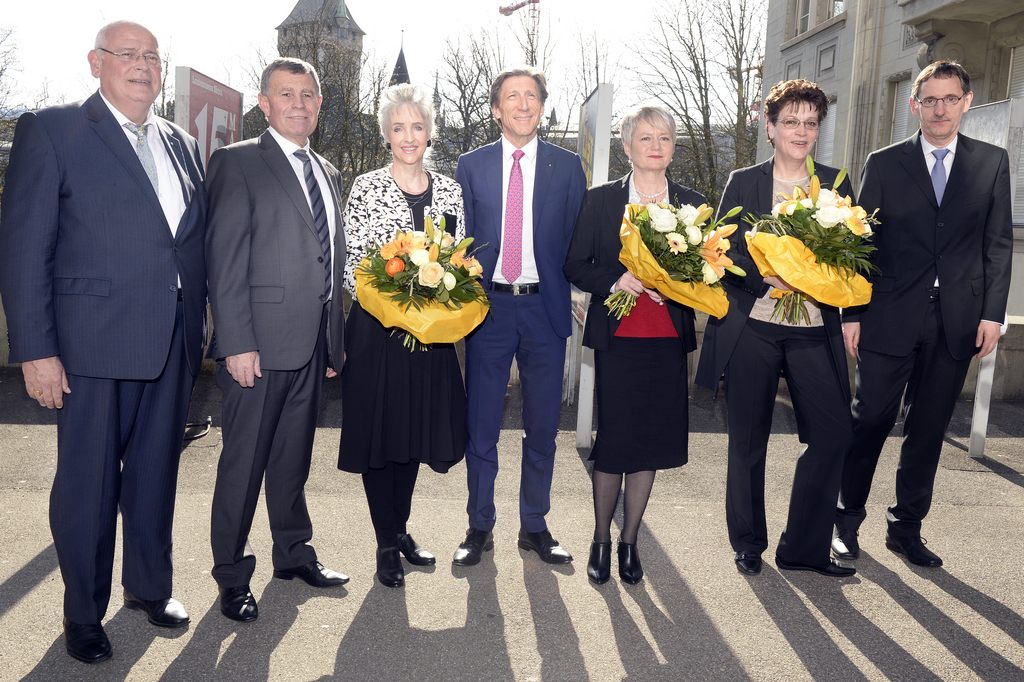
<point>599,568</point>
<point>389,567</point>
<point>630,570</point>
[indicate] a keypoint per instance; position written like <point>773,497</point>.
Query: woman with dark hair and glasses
<point>753,348</point>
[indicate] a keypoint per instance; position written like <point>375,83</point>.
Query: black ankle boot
<point>389,567</point>
<point>630,569</point>
<point>599,568</point>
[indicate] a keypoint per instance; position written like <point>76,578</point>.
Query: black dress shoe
<point>86,643</point>
<point>630,570</point>
<point>477,542</point>
<point>414,554</point>
<point>165,613</point>
<point>748,563</point>
<point>237,603</point>
<point>833,570</point>
<point>599,568</point>
<point>545,546</point>
<point>389,568</point>
<point>313,574</point>
<point>845,545</point>
<point>914,550</point>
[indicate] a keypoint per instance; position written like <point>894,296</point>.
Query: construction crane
<point>534,21</point>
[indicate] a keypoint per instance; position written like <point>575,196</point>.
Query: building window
<point>1016,91</point>
<point>826,61</point>
<point>838,7</point>
<point>793,71</point>
<point>826,136</point>
<point>803,16</point>
<point>900,110</point>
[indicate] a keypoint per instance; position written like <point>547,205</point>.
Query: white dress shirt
<point>289,148</point>
<point>528,165</point>
<point>172,199</point>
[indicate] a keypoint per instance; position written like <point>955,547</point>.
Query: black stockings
<point>606,497</point>
<point>389,495</point>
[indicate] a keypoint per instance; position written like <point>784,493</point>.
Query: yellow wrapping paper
<point>638,260</point>
<point>788,258</point>
<point>433,323</point>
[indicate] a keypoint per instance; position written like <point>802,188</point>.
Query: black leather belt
<point>933,293</point>
<point>516,289</point>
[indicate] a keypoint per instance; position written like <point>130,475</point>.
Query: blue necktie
<point>939,174</point>
<point>316,200</point>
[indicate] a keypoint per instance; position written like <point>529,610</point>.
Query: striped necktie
<point>316,201</point>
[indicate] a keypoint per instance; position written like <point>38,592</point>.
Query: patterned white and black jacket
<point>376,208</point>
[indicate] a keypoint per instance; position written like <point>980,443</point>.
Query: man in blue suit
<point>522,198</point>
<point>104,286</point>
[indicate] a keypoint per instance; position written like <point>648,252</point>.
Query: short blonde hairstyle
<point>400,95</point>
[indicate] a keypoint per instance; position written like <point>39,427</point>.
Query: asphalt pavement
<point>512,617</point>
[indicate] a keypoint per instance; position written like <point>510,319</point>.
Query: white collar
<point>121,118</point>
<point>529,149</point>
<point>287,146</point>
<point>928,147</point>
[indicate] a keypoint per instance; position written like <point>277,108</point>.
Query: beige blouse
<point>765,306</point>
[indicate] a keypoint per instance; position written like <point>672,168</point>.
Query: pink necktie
<point>512,242</point>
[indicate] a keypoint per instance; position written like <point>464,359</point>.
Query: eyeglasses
<point>948,100</point>
<point>793,124</point>
<point>131,57</point>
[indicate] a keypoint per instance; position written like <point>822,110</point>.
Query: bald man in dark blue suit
<point>103,280</point>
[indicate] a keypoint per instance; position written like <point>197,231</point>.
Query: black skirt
<point>642,405</point>
<point>397,405</point>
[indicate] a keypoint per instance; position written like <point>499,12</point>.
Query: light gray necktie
<point>939,174</point>
<point>144,152</point>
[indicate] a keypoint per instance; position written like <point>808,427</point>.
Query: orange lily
<point>458,259</point>
<point>715,248</point>
<point>815,188</point>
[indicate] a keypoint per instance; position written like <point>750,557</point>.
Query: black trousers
<point>267,429</point>
<point>118,447</point>
<point>802,355</point>
<point>389,495</point>
<point>933,380</point>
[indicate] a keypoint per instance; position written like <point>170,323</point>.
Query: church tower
<point>322,20</point>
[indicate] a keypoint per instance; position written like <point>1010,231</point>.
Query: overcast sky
<point>221,37</point>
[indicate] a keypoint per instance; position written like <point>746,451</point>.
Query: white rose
<point>662,219</point>
<point>791,208</point>
<point>828,216</point>
<point>807,203</point>
<point>449,281</point>
<point>775,210</point>
<point>710,276</point>
<point>845,212</point>
<point>827,197</point>
<point>687,215</point>
<point>420,257</point>
<point>693,235</point>
<point>431,274</point>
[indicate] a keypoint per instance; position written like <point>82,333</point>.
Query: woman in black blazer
<point>641,370</point>
<point>752,350</point>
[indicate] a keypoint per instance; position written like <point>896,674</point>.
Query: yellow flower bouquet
<point>816,242</point>
<point>674,251</point>
<point>424,284</point>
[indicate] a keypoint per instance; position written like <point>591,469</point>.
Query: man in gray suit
<point>273,245</point>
